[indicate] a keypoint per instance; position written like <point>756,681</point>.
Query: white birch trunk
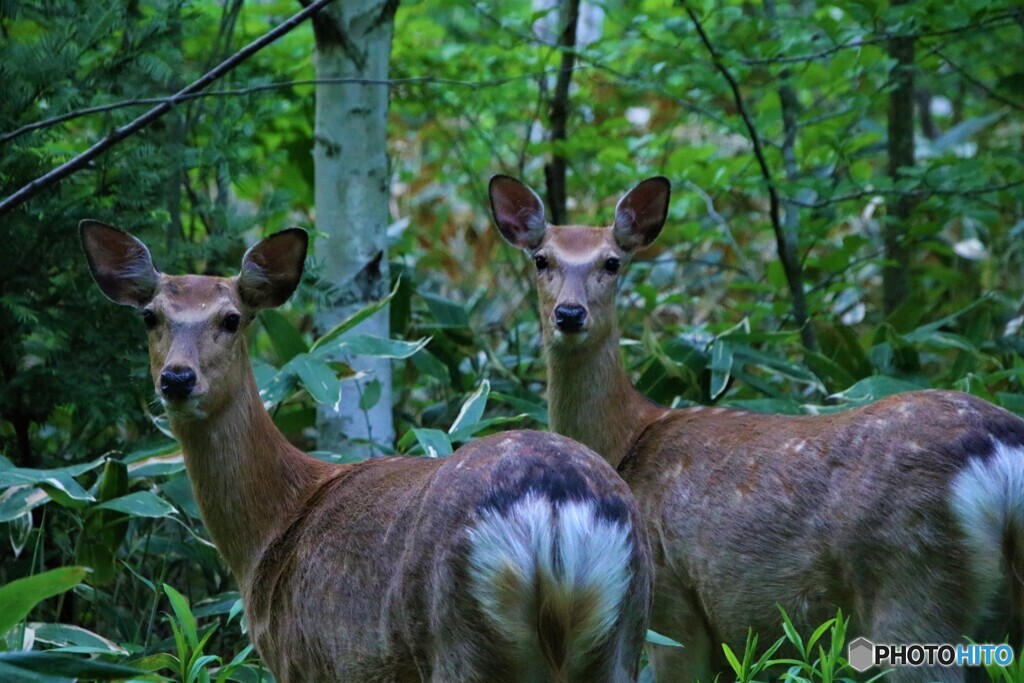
<point>351,192</point>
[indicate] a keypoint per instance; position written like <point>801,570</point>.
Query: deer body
<point>907,513</point>
<point>521,557</point>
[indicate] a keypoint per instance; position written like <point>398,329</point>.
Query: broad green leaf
<point>873,388</point>
<point>18,597</point>
<point>445,313</point>
<point>55,666</point>
<point>721,367</point>
<point>366,345</point>
<point>353,320</point>
<point>58,483</point>
<point>69,635</point>
<point>370,394</point>
<point>434,442</point>
<point>19,500</point>
<point>536,409</point>
<point>183,614</point>
<point>318,378</point>
<point>138,504</point>
<point>284,336</point>
<point>473,408</point>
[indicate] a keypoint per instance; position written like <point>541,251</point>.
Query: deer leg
<point>678,617</point>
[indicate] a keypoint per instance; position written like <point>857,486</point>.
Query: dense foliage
<point>88,474</point>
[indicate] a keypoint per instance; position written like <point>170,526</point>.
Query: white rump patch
<point>539,552</point>
<point>988,497</point>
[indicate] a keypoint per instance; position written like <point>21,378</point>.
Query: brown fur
<point>749,511</point>
<point>360,572</point>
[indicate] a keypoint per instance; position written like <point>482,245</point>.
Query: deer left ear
<point>640,214</point>
<point>272,268</point>
<point>120,263</point>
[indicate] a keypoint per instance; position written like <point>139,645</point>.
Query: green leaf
<point>434,442</point>
<point>733,662</point>
<point>366,345</point>
<point>472,409</point>
<point>873,388</point>
<point>183,614</point>
<point>70,636</point>
<point>354,319</point>
<point>57,666</point>
<point>284,336</point>
<point>138,504</point>
<point>658,639</point>
<point>18,597</point>
<point>18,500</point>
<point>370,395</point>
<point>446,314</point>
<point>318,378</point>
<point>721,367</point>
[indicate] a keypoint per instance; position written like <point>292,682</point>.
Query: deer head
<point>197,353</point>
<point>578,267</point>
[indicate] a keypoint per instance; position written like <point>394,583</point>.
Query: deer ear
<point>120,263</point>
<point>640,214</point>
<point>518,211</point>
<point>272,268</point>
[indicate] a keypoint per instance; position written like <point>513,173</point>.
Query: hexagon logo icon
<point>861,654</point>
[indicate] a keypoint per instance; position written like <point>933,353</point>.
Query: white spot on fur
<point>988,496</point>
<point>565,547</point>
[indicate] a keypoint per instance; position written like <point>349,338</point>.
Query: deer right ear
<point>518,211</point>
<point>120,263</point>
<point>272,268</point>
<point>640,214</point>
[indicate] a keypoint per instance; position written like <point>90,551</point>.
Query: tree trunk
<point>896,274</point>
<point>554,171</point>
<point>353,40</point>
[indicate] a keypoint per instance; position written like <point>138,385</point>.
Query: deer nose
<point>177,382</point>
<point>570,317</point>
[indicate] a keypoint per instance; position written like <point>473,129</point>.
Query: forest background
<point>846,223</point>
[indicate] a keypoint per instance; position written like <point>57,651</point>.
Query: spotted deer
<point>520,557</point>
<point>907,513</point>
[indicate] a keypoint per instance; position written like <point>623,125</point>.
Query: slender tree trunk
<point>896,274</point>
<point>554,171</point>
<point>353,40</point>
<point>789,254</point>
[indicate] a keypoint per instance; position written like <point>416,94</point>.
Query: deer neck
<point>248,480</point>
<point>591,399</point>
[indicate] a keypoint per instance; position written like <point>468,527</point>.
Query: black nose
<point>177,383</point>
<point>570,317</point>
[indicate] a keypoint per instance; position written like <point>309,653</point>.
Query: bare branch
<point>995,21</point>
<point>787,254</point>
<point>921,194</point>
<point>119,134</point>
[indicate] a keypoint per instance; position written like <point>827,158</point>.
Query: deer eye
<point>231,322</point>
<point>541,261</point>
<point>149,318</point>
<point>612,265</point>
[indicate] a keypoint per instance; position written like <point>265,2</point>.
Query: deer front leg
<point>678,617</point>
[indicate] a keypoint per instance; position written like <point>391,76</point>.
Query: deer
<point>907,513</point>
<point>520,557</point>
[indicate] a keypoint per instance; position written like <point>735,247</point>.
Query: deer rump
<point>521,557</point>
<point>907,513</point>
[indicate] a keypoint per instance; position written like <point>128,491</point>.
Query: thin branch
<point>989,92</point>
<point>119,134</point>
<point>235,92</point>
<point>787,256</point>
<point>923,193</point>
<point>994,21</point>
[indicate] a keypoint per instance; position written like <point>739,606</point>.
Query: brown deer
<point>907,513</point>
<point>521,557</point>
